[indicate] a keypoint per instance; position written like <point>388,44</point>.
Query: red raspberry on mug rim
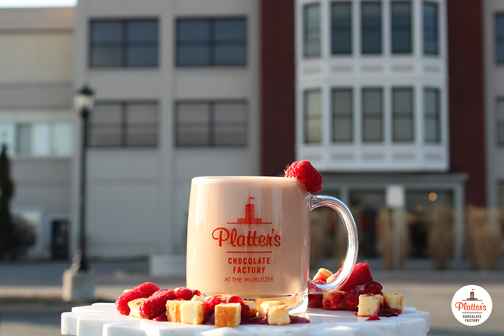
<point>307,174</point>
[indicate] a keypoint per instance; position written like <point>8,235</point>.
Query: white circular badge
<point>471,305</point>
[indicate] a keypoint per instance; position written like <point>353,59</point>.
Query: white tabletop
<point>104,319</point>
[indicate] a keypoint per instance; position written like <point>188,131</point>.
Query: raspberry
<point>197,292</point>
<point>161,318</point>
<point>155,305</point>
<point>314,289</point>
<point>245,309</point>
<point>360,275</point>
<point>315,300</point>
<point>334,301</point>
<point>184,293</point>
<point>306,174</point>
<point>144,290</point>
<point>214,301</point>
<point>352,297</point>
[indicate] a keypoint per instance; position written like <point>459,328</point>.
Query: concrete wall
<point>138,199</point>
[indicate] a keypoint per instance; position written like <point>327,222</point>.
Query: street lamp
<point>84,101</point>
<point>79,280</point>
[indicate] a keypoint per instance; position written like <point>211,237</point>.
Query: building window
<point>341,28</point>
<point>313,116</point>
<point>211,42</point>
<point>432,115</point>
<point>211,124</point>
<point>124,124</point>
<point>401,27</point>
<point>501,195</point>
<point>23,138</point>
<point>499,38</point>
<point>39,138</point>
<point>500,121</point>
<point>342,115</point>
<point>430,28</point>
<point>123,43</point>
<point>372,114</point>
<point>371,29</point>
<point>402,114</point>
<point>311,19</point>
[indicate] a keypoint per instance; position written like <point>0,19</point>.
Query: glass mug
<point>250,236</point>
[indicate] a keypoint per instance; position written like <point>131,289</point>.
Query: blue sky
<point>37,3</point>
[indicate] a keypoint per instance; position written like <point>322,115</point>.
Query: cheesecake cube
<point>394,301</point>
<point>263,308</point>
<point>278,315</point>
<point>369,305</point>
<point>191,312</point>
<point>322,274</point>
<point>134,306</point>
<point>173,310</point>
<point>227,315</point>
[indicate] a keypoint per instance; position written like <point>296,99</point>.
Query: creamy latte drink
<point>249,236</point>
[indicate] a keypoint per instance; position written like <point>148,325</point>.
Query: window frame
<point>402,115</point>
<point>348,116</point>
<point>401,28</point>
<point>308,35</point>
<point>306,116</point>
<point>434,30</point>
<point>211,123</point>
<point>437,115</point>
<point>366,28</point>
<point>123,44</point>
<point>499,122</point>
<point>498,39</point>
<point>123,124</point>
<point>347,30</point>
<point>211,43</point>
<point>376,115</point>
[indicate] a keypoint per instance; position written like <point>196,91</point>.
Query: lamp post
<point>84,100</point>
<point>78,281</point>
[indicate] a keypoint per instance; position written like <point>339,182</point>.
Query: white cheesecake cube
<point>394,301</point>
<point>369,305</point>
<point>191,312</point>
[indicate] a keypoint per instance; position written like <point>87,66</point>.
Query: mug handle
<point>316,201</point>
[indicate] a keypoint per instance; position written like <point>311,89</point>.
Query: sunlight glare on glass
<point>432,197</point>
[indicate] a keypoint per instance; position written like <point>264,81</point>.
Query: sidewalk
<point>36,287</point>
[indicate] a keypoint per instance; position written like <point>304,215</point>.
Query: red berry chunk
<point>360,275</point>
<point>314,300</point>
<point>352,297</point>
<point>214,301</point>
<point>234,299</point>
<point>313,288</point>
<point>156,304</point>
<point>144,290</point>
<point>306,174</point>
<point>334,301</point>
<point>161,318</point>
<point>184,293</point>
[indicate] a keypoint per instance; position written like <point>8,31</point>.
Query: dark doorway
<point>59,239</point>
